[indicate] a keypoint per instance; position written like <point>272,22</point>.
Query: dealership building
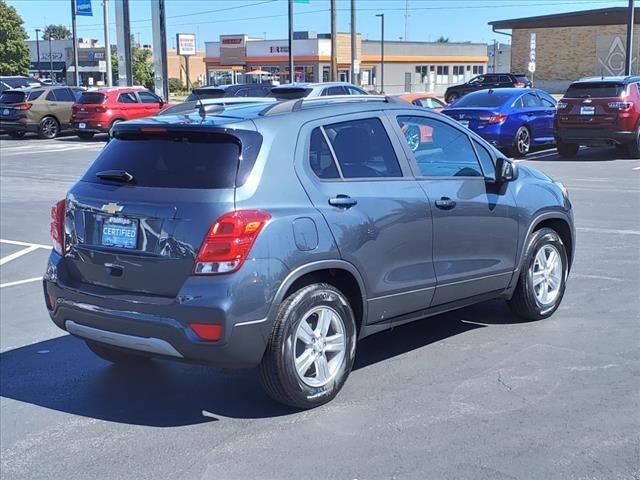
<point>408,66</point>
<point>569,46</point>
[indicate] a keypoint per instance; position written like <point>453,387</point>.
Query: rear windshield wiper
<point>115,175</point>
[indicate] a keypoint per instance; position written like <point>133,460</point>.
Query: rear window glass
<point>290,93</point>
<point>522,78</point>
<point>91,97</point>
<point>484,99</point>
<point>179,162</point>
<point>595,90</point>
<point>12,97</point>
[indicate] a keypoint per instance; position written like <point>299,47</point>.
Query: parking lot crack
<point>508,387</point>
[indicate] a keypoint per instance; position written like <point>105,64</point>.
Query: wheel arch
<point>342,275</point>
<point>561,224</point>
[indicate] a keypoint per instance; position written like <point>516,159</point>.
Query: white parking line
<point>608,230</point>
<point>635,168</point>
<point>17,254</point>
<point>20,282</point>
<point>24,244</point>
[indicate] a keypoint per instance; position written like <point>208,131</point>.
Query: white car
<point>212,105</point>
<point>291,91</point>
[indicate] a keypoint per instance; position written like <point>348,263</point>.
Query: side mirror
<point>505,170</point>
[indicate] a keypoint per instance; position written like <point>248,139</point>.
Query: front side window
<point>147,97</point>
<point>362,149</point>
<point>440,150</point>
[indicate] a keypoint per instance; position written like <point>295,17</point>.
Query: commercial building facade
<point>409,66</point>
<point>572,45</point>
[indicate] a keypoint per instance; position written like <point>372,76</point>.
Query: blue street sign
<point>83,8</point>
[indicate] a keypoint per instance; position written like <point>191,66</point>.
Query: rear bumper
<point>495,135</point>
<point>159,326</point>
<point>18,126</point>
<point>593,137</point>
<point>91,127</point>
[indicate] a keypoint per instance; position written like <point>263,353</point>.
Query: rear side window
<point>505,79</point>
<point>595,90</point>
<point>334,91</point>
<point>13,97</point>
<point>63,95</point>
<point>91,97</point>
<point>320,157</point>
<point>483,99</point>
<point>34,95</point>
<point>179,162</point>
<point>363,149</point>
<point>129,97</point>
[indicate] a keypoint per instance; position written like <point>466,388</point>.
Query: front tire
<point>633,147</point>
<point>116,356</point>
<point>312,347</point>
<point>543,276</point>
<point>48,128</point>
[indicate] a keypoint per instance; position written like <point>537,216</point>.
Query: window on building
<point>478,69</point>
<point>442,74</point>
<point>458,73</point>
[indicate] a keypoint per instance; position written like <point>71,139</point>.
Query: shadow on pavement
<point>593,154</point>
<point>73,138</point>
<point>62,374</point>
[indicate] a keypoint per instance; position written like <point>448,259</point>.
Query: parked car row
<point>593,112</point>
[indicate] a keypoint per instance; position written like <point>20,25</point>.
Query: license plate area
<point>464,123</point>
<point>6,112</point>
<point>119,232</point>
<point>82,125</point>
<point>587,110</point>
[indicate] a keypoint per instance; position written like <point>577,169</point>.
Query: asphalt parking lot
<point>473,394</point>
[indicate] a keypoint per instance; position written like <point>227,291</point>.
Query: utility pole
<point>355,64</point>
<point>38,51</point>
<point>107,41</point>
<point>292,71</point>
<point>629,56</point>
<point>159,26</point>
<point>334,43</point>
<point>50,59</point>
<point>76,74</point>
<point>123,30</point>
<point>381,15</point>
<point>406,19</point>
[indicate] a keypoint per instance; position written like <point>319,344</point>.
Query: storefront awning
<point>58,67</point>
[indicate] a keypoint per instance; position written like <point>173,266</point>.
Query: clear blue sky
<point>460,20</point>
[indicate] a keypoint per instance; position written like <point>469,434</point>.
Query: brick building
<point>572,45</point>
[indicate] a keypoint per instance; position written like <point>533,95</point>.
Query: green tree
<point>56,32</point>
<point>141,65</point>
<point>442,40</point>
<point>114,67</point>
<point>15,58</point>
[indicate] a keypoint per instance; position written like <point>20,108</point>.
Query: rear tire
<point>16,134</point>
<point>115,356</point>
<point>305,366</point>
<point>521,142</point>
<point>543,276</point>
<point>567,150</point>
<point>85,135</point>
<point>48,128</point>
<point>633,147</point>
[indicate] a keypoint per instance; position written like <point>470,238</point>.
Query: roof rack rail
<point>289,106</point>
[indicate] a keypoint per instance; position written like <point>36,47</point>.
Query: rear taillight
<point>561,105</point>
<point>57,226</point>
<point>497,118</point>
<point>23,106</point>
<point>229,241</point>
<point>622,106</point>
<point>519,85</point>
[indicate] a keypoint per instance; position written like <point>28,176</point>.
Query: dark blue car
<point>509,118</point>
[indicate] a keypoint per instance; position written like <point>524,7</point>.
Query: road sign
<point>102,66</point>
<point>186,43</point>
<point>532,52</point>
<point>356,67</point>
<point>532,56</point>
<point>83,8</point>
<point>532,67</point>
<point>532,40</point>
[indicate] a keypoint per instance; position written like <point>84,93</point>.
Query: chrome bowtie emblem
<point>112,208</point>
<point>588,100</point>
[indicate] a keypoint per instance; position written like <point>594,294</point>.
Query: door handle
<point>445,203</point>
<point>342,201</point>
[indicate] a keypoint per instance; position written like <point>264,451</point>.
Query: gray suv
<point>279,235</point>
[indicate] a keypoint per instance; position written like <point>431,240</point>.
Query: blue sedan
<point>514,119</point>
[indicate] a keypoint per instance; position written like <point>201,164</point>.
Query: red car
<point>599,111</point>
<point>96,111</point>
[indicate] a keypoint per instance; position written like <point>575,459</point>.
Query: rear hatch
<point>15,103</point>
<point>136,220</point>
<point>89,104</point>
<point>587,105</point>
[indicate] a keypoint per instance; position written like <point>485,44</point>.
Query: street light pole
<point>629,56</point>
<point>292,73</point>
<point>334,43</point>
<point>381,15</point>
<point>50,59</point>
<point>107,43</point>
<point>38,51</point>
<point>355,69</point>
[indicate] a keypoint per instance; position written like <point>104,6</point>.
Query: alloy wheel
<point>49,127</point>
<point>523,141</point>
<point>320,346</point>
<point>546,275</point>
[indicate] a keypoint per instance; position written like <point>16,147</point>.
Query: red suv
<point>98,110</point>
<point>599,111</point>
